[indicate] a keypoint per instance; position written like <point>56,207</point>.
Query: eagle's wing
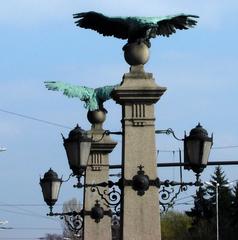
<point>83,93</point>
<point>169,24</point>
<point>104,93</point>
<point>108,26</point>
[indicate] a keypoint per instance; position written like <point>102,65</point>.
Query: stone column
<point>138,92</point>
<point>97,172</point>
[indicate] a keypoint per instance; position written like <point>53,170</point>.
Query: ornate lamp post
<point>50,186</point>
<point>77,147</point>
<point>197,148</point>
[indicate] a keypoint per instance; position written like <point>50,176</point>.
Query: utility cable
<point>179,199</point>
<point>24,205</point>
<point>213,148</point>
<point>224,147</point>
<point>28,204</point>
<point>28,228</point>
<point>35,119</point>
<point>28,214</point>
<point>24,238</point>
<point>67,127</point>
<point>27,211</point>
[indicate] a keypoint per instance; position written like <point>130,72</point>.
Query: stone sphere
<point>136,53</point>
<point>97,116</point>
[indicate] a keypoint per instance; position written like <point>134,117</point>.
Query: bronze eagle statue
<point>93,98</point>
<point>135,29</point>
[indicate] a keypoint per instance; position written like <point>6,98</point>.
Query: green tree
<point>202,207</point>
<point>234,220</point>
<point>233,223</point>
<point>225,198</point>
<point>175,225</point>
<point>204,211</point>
<point>203,230</point>
<point>202,216</point>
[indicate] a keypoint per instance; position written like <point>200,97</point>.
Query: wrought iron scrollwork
<point>111,198</point>
<point>74,219</point>
<point>141,183</point>
<point>74,223</point>
<point>168,197</point>
<point>168,194</point>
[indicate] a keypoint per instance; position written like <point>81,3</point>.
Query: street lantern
<point>77,147</point>
<point>50,185</point>
<point>197,148</point>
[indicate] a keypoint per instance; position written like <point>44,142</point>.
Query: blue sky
<point>40,42</point>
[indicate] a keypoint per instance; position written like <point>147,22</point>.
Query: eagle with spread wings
<point>93,98</point>
<point>135,29</point>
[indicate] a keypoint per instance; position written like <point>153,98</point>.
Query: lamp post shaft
<point>217,210</point>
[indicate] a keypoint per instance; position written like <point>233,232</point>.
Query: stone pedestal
<point>97,171</point>
<point>138,92</point>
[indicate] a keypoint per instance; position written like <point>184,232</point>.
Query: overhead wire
<point>224,147</point>
<point>34,118</point>
<point>25,238</point>
<point>213,148</point>
<point>29,204</point>
<point>16,238</point>
<point>178,199</point>
<point>28,214</point>
<point>24,205</point>
<point>29,228</point>
<point>67,127</point>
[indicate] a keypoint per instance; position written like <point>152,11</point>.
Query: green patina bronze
<point>135,29</point>
<point>93,98</point>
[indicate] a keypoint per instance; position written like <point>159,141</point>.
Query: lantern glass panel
<point>206,151</point>
<point>55,187</point>
<point>85,148</point>
<point>72,150</point>
<point>50,191</point>
<point>77,153</point>
<point>193,150</point>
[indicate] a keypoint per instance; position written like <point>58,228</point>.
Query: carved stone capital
<point>138,87</point>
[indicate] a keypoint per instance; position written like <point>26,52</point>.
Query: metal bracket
<point>97,213</point>
<point>141,182</point>
<point>167,132</point>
